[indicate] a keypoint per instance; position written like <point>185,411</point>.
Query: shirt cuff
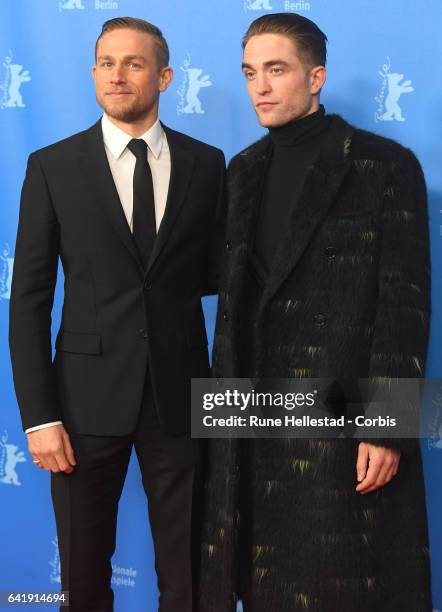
<point>43,426</point>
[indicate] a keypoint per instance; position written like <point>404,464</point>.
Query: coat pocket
<point>73,342</point>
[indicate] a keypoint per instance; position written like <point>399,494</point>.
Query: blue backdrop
<point>383,60</point>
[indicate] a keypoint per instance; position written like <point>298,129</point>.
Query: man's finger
<point>62,462</point>
<point>362,462</point>
<point>384,476</point>
<point>53,465</point>
<point>374,468</point>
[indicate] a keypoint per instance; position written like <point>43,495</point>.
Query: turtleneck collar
<point>300,130</point>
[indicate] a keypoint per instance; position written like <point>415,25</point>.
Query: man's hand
<point>51,449</point>
<point>375,467</point>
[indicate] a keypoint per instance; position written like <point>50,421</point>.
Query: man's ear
<point>318,76</point>
<point>166,76</point>
<point>93,71</point>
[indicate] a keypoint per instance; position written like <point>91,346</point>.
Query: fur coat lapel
<point>320,189</point>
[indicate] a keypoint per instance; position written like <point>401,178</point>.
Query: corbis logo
<point>70,5</point>
<point>9,457</point>
<point>286,5</point>
<point>11,83</point>
<point>193,81</point>
<point>6,266</point>
<point>391,90</point>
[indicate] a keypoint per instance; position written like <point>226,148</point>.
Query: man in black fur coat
<point>326,275</point>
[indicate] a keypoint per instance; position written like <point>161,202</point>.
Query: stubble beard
<point>128,112</point>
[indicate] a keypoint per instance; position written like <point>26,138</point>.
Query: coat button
<point>143,333</point>
<point>229,245</point>
<point>331,252</point>
<point>226,316</point>
<point>320,321</point>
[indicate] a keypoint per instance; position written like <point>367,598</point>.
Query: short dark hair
<point>133,23</point>
<point>310,41</point>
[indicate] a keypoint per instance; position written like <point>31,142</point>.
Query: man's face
<point>128,79</point>
<point>281,87</point>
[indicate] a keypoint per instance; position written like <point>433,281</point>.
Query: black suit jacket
<point>119,320</point>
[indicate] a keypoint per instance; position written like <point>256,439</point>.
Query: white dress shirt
<point>122,165</point>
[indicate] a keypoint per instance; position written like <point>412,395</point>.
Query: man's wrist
<point>43,426</point>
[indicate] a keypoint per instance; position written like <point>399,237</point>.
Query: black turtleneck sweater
<point>295,147</point>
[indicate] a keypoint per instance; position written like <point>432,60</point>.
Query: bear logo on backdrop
<point>193,81</point>
<point>71,4</point>
<point>434,426</point>
<point>11,84</point>
<point>6,266</point>
<point>392,88</point>
<point>55,575</point>
<point>9,457</point>
<point>266,5</point>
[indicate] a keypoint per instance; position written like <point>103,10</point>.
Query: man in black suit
<point>131,209</point>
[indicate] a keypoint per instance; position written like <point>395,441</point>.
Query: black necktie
<point>144,227</point>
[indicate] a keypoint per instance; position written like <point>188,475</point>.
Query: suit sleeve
<point>32,296</point>
<point>402,321</point>
<point>216,244</point>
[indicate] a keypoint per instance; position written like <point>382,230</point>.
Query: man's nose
<point>118,74</point>
<point>262,84</point>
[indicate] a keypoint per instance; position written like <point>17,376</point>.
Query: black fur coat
<point>348,296</point>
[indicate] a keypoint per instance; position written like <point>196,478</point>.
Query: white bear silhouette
<point>195,83</point>
<point>395,90</point>
<point>17,78</point>
<point>258,5</point>
<point>12,458</point>
<point>6,267</point>
<point>72,4</point>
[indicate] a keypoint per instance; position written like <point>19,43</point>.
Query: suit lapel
<point>320,189</point>
<point>182,165</point>
<point>95,167</point>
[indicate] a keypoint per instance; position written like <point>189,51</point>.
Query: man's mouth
<point>265,105</point>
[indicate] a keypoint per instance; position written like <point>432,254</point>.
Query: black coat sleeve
<point>216,242</point>
<point>32,296</point>
<point>402,321</point>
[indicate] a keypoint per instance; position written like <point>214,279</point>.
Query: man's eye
<point>276,70</point>
<point>134,65</point>
<point>249,75</point>
<point>106,64</point>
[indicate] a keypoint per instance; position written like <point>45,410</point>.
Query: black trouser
<point>86,503</point>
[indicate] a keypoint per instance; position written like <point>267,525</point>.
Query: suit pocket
<point>73,342</point>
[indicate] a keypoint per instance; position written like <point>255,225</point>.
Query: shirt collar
<point>116,139</point>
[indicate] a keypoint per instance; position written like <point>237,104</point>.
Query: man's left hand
<point>375,467</point>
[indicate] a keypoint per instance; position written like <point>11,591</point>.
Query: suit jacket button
<point>143,333</point>
<point>229,245</point>
<point>331,252</point>
<point>226,316</point>
<point>320,321</point>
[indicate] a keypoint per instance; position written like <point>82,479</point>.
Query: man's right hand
<point>51,449</point>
